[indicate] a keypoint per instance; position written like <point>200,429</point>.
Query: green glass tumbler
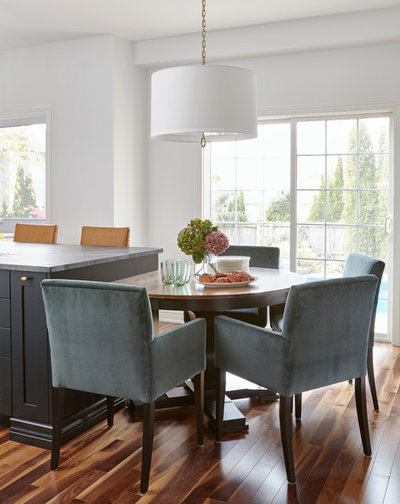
<point>182,272</point>
<point>167,269</point>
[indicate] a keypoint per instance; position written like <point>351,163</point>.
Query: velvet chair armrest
<point>240,347</point>
<point>176,355</point>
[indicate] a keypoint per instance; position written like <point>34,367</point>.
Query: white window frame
<point>393,268</point>
<point>7,225</point>
<point>293,174</point>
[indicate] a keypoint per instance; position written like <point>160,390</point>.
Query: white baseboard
<point>383,338</point>
<point>171,316</point>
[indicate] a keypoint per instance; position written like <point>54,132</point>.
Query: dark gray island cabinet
<point>25,379</point>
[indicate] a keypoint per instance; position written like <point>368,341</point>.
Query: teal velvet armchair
<point>324,340</point>
<point>101,341</point>
<point>356,264</point>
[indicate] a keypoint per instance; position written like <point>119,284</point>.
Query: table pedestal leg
<point>234,420</point>
<point>156,322</point>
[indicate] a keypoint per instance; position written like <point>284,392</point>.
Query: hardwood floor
<point>103,465</point>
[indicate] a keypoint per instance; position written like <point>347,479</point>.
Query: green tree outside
<point>225,208</point>
<point>24,195</point>
<point>334,199</point>
<point>279,210</point>
<point>4,210</point>
<point>241,207</point>
<point>335,203</point>
<point>317,211</point>
<point>13,149</point>
<point>368,204</point>
<point>382,176</point>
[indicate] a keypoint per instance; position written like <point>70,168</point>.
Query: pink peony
<point>216,242</point>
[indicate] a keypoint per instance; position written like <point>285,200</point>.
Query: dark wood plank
<point>52,495</point>
<point>19,489</point>
<point>110,487</point>
<point>128,498</point>
<point>250,484</point>
<point>103,465</point>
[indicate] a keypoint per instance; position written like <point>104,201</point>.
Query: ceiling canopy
<point>27,22</point>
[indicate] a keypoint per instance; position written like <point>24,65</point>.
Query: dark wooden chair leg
<point>220,402</point>
<point>371,378</point>
<point>58,416</point>
<point>198,382</point>
<point>361,404</point>
<point>147,447</point>
<point>276,310</point>
<point>286,436</point>
<point>297,400</point>
<point>110,411</point>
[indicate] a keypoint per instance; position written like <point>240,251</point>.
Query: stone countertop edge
<point>142,251</point>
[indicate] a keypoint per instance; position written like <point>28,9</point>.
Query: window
<point>248,188</point>
<point>22,171</point>
<point>318,188</point>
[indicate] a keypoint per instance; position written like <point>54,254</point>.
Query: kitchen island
<point>25,379</point>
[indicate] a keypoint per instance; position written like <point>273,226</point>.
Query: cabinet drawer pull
<point>24,279</point>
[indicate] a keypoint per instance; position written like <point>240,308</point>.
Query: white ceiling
<point>30,22</point>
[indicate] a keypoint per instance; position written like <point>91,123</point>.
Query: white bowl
<point>227,264</point>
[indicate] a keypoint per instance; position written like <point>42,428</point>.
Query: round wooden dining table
<point>269,288</point>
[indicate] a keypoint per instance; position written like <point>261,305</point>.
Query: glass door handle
<point>388,226</point>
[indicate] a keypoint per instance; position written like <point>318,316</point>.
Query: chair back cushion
<point>358,264</point>
<point>105,236</point>
<point>327,323</point>
<point>99,334</point>
<point>34,233</point>
<point>260,256</point>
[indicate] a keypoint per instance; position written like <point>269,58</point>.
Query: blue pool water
<point>382,303</point>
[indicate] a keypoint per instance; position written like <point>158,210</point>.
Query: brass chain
<point>203,32</point>
<point>203,51</point>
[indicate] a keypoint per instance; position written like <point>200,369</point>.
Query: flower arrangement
<point>201,238</point>
<point>216,243</point>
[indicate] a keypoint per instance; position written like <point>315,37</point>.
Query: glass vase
<point>207,266</point>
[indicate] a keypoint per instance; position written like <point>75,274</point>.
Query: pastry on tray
<point>234,277</point>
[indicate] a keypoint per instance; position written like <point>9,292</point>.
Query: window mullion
<point>293,195</point>
<point>326,195</point>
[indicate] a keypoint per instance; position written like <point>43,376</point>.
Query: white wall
<point>346,62</point>
<point>130,136</point>
<point>341,79</point>
<point>98,105</point>
<point>74,79</point>
<point>299,35</point>
<point>349,79</point>
<point>174,192</point>
<point>105,171</point>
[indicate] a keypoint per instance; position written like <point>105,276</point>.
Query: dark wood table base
<point>271,288</point>
<point>234,420</point>
<point>179,396</point>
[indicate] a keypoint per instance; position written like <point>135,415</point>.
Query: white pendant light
<point>203,102</point>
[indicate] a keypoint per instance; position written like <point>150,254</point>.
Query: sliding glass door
<point>342,193</point>
<point>318,188</point>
